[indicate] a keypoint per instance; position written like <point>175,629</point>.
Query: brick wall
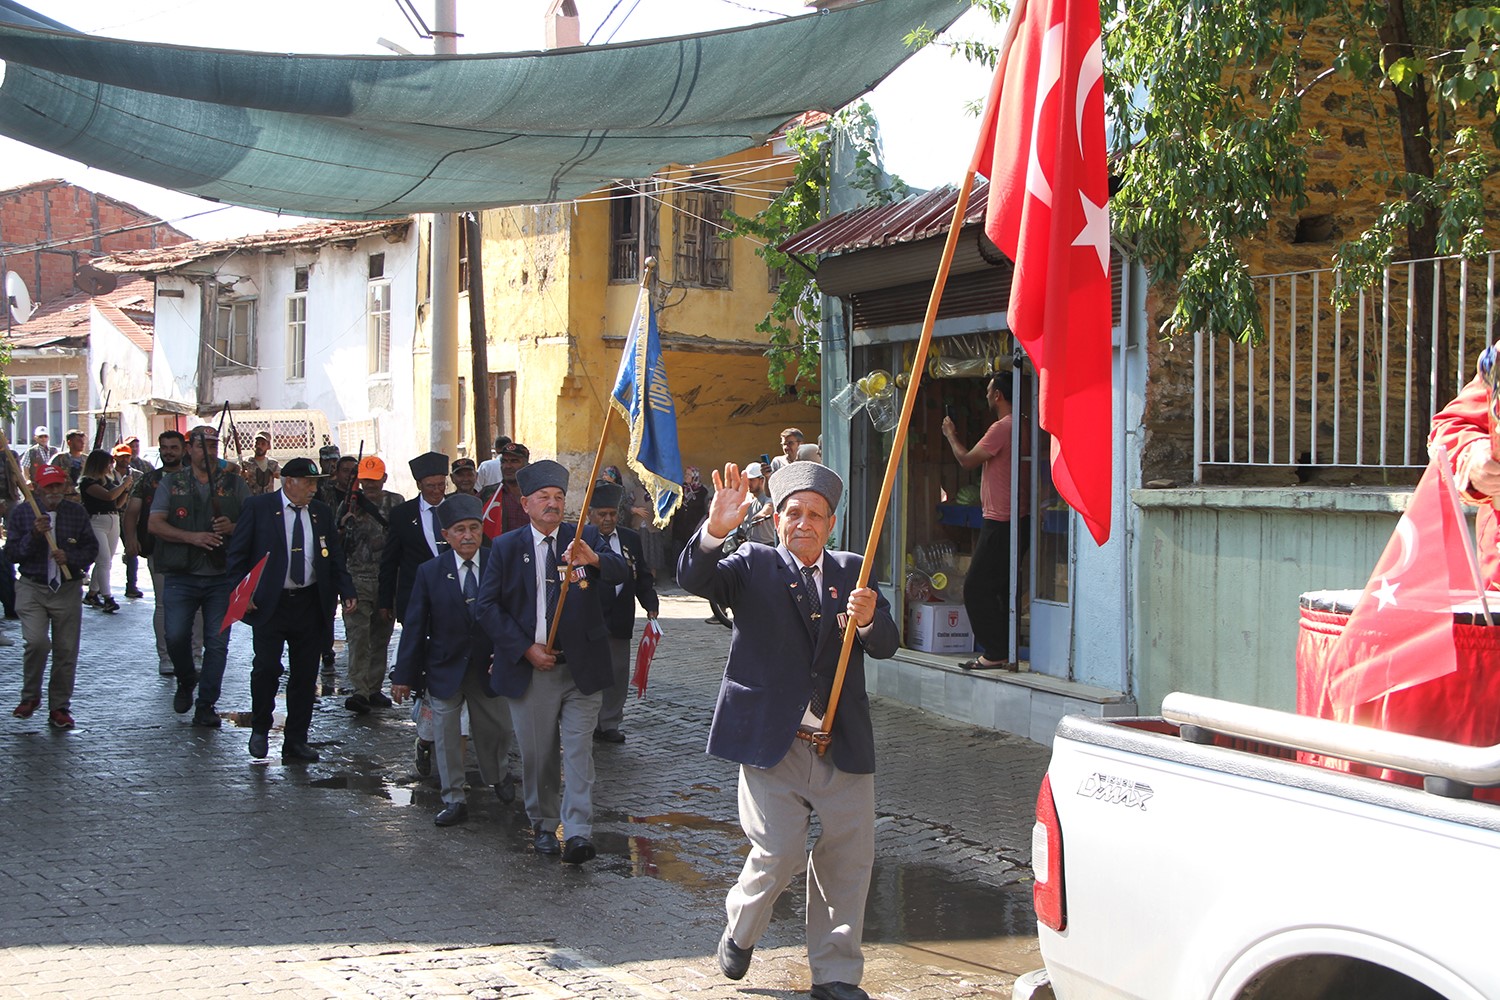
<point>49,229</point>
<point>1343,198</point>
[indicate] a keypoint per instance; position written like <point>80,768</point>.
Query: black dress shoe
<point>838,991</point>
<point>183,699</point>
<point>545,841</point>
<point>207,718</point>
<point>298,753</point>
<point>608,736</point>
<point>578,850</point>
<point>734,961</point>
<point>505,791</point>
<point>258,748</point>
<point>378,700</point>
<point>453,814</point>
<point>358,704</point>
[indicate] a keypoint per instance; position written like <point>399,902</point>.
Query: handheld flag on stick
<point>650,639</point>
<point>1400,632</point>
<point>239,599</point>
<point>1043,149</point>
<point>643,399</point>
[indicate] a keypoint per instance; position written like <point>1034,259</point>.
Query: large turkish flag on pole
<point>1043,149</point>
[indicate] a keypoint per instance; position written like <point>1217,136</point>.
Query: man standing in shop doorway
<point>987,587</point>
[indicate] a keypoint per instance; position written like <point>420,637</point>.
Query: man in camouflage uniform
<point>364,520</point>
<point>333,489</point>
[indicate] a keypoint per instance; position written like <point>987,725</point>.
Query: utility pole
<point>444,422</point>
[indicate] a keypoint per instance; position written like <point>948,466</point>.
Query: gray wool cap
<point>799,476</point>
<point>428,464</point>
<point>540,475</point>
<point>459,507</point>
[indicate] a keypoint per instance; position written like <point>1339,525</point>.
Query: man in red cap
<point>47,598</point>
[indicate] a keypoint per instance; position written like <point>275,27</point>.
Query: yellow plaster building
<point>560,285</point>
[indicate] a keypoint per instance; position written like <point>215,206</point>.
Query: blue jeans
<point>185,595</point>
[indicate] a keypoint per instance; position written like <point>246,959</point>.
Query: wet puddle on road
<point>924,912</point>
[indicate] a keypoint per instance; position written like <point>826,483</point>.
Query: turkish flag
<point>239,598</point>
<point>1400,632</point>
<point>1042,147</point>
<point>644,655</point>
<point>492,520</point>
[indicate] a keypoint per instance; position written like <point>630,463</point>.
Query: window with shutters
<point>378,325</point>
<point>234,329</point>
<point>700,249</point>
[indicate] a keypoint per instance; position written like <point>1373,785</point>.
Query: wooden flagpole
<point>583,513</point>
<point>823,737</point>
<point>15,470</point>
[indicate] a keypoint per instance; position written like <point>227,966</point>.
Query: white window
<point>48,401</point>
<point>296,336</point>
<point>234,325</point>
<point>378,326</point>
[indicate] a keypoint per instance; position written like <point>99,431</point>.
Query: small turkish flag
<point>1400,632</point>
<point>1042,147</point>
<point>644,655</point>
<point>239,599</point>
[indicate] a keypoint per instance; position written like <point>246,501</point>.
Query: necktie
<point>437,532</point>
<point>553,586</point>
<point>471,588</point>
<point>819,702</point>
<point>298,565</point>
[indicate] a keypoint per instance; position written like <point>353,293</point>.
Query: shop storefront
<point>875,266</point>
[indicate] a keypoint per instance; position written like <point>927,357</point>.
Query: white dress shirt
<point>309,540</point>
<point>539,551</point>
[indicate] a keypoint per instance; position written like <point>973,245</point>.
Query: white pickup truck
<point>1193,857</point>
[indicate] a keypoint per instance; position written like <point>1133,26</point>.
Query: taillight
<point>1046,861</point>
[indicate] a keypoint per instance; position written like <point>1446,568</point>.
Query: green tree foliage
<point>792,324</point>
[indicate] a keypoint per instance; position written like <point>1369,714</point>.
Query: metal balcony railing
<point>1333,387</point>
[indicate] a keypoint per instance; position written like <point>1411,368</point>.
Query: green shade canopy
<point>376,136</point>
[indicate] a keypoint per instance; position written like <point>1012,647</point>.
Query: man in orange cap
<point>365,519</point>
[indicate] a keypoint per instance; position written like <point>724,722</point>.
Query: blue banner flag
<point>644,401</point>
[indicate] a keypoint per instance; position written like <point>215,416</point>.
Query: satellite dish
<point>92,281</point>
<point>18,297</point>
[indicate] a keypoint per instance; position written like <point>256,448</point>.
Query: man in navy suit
<point>791,604</point>
<point>555,695</point>
<point>446,652</point>
<point>414,536</point>
<point>293,603</point>
<point>618,603</point>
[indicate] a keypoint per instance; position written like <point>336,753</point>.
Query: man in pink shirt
<point>987,587</point>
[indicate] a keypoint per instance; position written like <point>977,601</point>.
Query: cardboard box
<point>939,628</point>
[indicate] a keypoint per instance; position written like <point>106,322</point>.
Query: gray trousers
<point>612,713</point>
<point>50,624</point>
<point>490,729</point>
<point>159,622</point>
<point>776,805</point>
<point>555,729</point>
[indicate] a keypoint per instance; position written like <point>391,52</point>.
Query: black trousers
<point>987,587</point>
<point>298,626</point>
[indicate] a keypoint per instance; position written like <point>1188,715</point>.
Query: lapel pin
<point>833,593</point>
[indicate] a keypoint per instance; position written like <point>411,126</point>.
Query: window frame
<point>296,337</point>
<point>241,335</point>
<point>378,326</point>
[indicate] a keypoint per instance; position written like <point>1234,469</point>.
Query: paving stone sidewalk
<point>147,858</point>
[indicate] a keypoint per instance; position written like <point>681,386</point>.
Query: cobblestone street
<point>144,857</point>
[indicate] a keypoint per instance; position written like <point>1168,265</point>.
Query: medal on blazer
<point>323,546</point>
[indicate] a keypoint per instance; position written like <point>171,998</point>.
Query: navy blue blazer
<point>441,636</point>
<point>507,610</point>
<point>260,530</point>
<point>619,609</point>
<point>405,549</point>
<point>775,657</point>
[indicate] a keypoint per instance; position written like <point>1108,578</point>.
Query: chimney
<point>562,25</point>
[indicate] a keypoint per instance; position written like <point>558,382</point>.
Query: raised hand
<point>727,509</point>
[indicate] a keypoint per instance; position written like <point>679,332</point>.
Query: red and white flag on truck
<point>1400,632</point>
<point>1043,149</point>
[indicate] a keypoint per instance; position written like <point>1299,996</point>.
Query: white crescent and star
<point>1095,232</point>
